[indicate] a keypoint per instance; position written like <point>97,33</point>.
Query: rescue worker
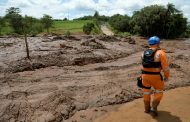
<point>154,61</point>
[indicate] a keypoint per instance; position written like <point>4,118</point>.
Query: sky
<point>71,9</point>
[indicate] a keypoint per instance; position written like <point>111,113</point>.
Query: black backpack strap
<point>151,73</point>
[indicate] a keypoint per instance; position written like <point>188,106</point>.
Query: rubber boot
<point>154,108</point>
<point>147,106</point>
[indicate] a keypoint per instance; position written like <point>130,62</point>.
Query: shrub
<point>87,28</point>
<point>67,33</point>
<point>123,34</point>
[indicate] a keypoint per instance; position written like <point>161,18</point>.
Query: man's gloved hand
<point>165,79</point>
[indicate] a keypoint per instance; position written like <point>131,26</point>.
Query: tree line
<point>163,21</point>
<point>25,25</point>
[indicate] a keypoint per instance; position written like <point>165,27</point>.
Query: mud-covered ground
<point>168,110</point>
<point>76,79</point>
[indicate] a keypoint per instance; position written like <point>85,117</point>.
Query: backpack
<point>148,59</point>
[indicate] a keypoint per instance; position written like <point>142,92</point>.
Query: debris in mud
<point>55,93</point>
<point>170,51</point>
<point>47,40</point>
<point>108,38</point>
<point>172,65</point>
<point>95,110</point>
<point>86,60</point>
<point>82,116</point>
<point>58,38</point>
<point>65,46</point>
<point>93,43</point>
<point>101,68</point>
<point>55,107</point>
<point>130,40</point>
<point>61,37</point>
<point>20,66</point>
<point>81,106</point>
<point>37,65</point>
<point>48,56</point>
<point>72,38</point>
<point>25,65</point>
<point>103,110</point>
<point>16,95</point>
<point>6,44</point>
<point>62,45</point>
<point>145,46</point>
<point>182,57</point>
<point>85,51</point>
<point>126,95</point>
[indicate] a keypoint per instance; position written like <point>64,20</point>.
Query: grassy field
<point>60,27</point>
<point>74,27</point>
<point>6,30</point>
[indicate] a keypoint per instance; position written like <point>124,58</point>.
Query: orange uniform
<point>155,80</point>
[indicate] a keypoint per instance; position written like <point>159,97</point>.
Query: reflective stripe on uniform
<point>158,91</point>
<point>146,93</point>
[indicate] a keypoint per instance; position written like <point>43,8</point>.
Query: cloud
<point>81,4</point>
<point>77,8</point>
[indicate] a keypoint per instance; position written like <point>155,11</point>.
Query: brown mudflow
<point>69,74</point>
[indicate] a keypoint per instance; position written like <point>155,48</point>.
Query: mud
<point>168,110</point>
<point>68,75</point>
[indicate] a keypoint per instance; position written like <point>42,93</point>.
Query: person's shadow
<point>164,116</point>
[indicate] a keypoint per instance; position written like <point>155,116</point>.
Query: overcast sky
<point>60,9</point>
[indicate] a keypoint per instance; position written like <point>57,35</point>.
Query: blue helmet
<point>153,40</point>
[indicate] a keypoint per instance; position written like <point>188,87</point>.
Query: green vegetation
<point>2,24</point>
<point>67,33</point>
<point>87,28</point>
<point>59,27</point>
<point>47,22</point>
<point>165,22</point>
<point>96,16</point>
<point>122,34</point>
<point>15,24</point>
<point>74,27</point>
<point>12,24</point>
<point>120,22</point>
<point>187,33</point>
<point>6,30</point>
<point>15,19</point>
